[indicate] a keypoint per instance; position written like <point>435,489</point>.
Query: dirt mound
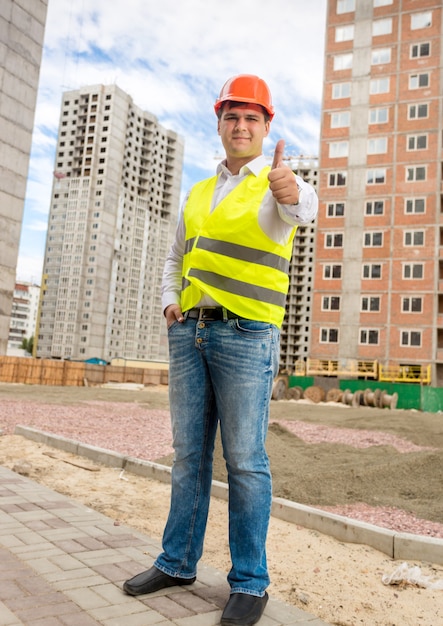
<point>330,474</point>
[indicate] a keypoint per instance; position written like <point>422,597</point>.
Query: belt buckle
<point>204,313</point>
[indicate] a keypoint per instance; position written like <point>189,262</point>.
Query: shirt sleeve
<point>307,208</point>
<point>172,272</point>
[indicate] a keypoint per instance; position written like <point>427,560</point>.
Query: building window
<point>379,85</point>
<point>343,61</point>
<point>415,205</point>
<point>344,33</point>
<point>418,80</point>
<point>334,240</point>
<point>378,145</point>
<point>382,27</point>
<point>341,90</point>
<point>378,116</point>
<point>336,209</point>
<point>330,303</point>
<point>413,271</point>
<point>368,336</point>
<point>412,305</point>
<point>373,240</point>
<point>417,142</point>
<point>410,338</point>
<point>371,271</point>
<point>421,20</point>
<point>376,177</point>
<point>417,172</point>
<point>420,50</point>
<point>331,271</point>
<point>341,119</point>
<point>338,149</point>
<point>337,179</point>
<point>382,3</point>
<point>414,238</point>
<point>370,304</point>
<point>328,335</point>
<point>380,56</point>
<point>375,207</point>
<point>416,111</point>
<point>345,6</point>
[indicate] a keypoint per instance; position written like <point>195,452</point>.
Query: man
<point>224,290</point>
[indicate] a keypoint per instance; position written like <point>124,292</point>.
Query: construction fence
<point>32,371</point>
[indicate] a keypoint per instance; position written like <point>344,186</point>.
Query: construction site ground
<point>380,465</point>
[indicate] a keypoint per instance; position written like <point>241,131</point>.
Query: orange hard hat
<point>246,88</point>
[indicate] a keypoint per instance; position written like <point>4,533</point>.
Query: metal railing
<point>353,368</point>
<point>405,374</point>
<point>350,368</point>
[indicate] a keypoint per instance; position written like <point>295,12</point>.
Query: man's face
<point>242,129</point>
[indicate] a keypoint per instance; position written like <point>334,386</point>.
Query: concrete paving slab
<point>63,564</point>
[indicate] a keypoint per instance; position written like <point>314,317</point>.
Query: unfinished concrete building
<point>22,27</point>
<point>113,212</point>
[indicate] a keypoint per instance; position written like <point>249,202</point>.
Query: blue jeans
<point>220,372</point>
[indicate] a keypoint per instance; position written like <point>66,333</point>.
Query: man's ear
<point>218,126</point>
<point>267,128</point>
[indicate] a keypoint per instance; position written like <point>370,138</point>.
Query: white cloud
<point>172,58</point>
<point>29,268</point>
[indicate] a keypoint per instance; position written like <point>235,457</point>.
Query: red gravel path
<point>317,433</point>
<point>123,427</point>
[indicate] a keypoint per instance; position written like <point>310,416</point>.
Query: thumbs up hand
<point>281,178</point>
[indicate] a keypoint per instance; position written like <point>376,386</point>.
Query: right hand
<point>173,313</point>
<point>282,180</point>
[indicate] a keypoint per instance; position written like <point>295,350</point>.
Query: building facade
<point>22,27</point>
<point>114,207</point>
<point>25,305</point>
<point>295,331</point>
<point>378,283</point>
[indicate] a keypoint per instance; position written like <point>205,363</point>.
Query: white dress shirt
<point>276,220</point>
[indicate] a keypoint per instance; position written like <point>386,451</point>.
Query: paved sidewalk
<point>63,564</point>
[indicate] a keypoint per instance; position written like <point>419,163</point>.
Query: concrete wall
<point>22,26</point>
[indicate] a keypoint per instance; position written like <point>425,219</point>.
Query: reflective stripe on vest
<point>228,256</point>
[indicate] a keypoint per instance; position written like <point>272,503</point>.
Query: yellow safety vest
<point>229,257</point>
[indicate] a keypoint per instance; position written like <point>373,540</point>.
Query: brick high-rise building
<point>295,332</point>
<point>378,284</point>
<point>113,212</point>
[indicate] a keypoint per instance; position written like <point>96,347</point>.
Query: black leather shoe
<point>243,609</point>
<point>152,580</point>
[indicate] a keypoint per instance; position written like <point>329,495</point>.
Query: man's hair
<point>231,103</point>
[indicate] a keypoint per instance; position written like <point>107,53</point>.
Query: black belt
<point>210,314</point>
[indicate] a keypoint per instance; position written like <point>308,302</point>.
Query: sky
<point>172,57</point>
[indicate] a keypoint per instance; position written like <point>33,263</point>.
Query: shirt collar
<point>253,167</point>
